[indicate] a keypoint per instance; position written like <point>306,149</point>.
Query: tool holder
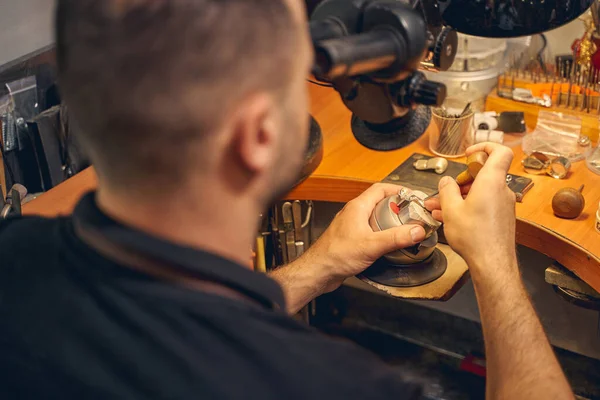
<point>285,233</point>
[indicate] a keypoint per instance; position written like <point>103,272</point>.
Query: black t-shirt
<point>76,325</point>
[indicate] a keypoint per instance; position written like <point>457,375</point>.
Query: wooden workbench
<point>348,169</point>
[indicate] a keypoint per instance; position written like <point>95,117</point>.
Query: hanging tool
<point>12,205</point>
<point>275,237</point>
<point>588,97</point>
<point>2,201</point>
<point>560,84</point>
<point>585,81</point>
<point>264,249</point>
<point>261,261</point>
<point>298,233</point>
<point>288,228</point>
<point>570,87</point>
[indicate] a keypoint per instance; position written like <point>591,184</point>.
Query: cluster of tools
<point>569,87</point>
<point>455,131</point>
<point>564,84</point>
<point>285,234</point>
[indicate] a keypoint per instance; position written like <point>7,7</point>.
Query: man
<point>193,112</point>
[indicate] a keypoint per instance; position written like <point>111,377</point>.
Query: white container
<point>478,54</point>
<point>484,60</point>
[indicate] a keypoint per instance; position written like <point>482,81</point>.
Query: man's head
<point>169,92</point>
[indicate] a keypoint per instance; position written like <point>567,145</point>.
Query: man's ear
<point>256,134</point>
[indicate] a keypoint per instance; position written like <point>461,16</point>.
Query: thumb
<point>389,240</point>
<point>450,194</point>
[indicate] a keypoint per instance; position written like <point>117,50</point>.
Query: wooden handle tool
<point>474,164</point>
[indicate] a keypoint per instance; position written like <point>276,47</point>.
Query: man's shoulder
<point>25,238</point>
<point>30,228</point>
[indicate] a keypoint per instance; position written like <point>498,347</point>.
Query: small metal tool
<point>431,196</point>
<point>588,97</point>
<point>288,228</point>
<point>526,96</point>
<point>560,85</point>
<point>284,250</point>
<point>584,94</point>
<point>569,89</point>
<point>298,234</point>
<point>12,206</point>
<point>275,238</point>
<point>437,164</point>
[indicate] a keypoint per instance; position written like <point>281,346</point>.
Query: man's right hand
<point>481,227</point>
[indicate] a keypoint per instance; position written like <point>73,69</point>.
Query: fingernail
<point>417,234</point>
<point>444,181</point>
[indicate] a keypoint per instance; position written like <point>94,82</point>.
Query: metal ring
<point>559,167</point>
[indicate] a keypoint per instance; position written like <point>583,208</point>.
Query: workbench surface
<point>348,168</point>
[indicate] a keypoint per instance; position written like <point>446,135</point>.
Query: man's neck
<point>214,223</point>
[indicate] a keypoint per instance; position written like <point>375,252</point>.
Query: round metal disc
<point>393,135</point>
<point>579,299</point>
<point>384,273</point>
<point>314,151</point>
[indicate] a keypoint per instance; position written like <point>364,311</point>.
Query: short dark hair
<point>144,78</point>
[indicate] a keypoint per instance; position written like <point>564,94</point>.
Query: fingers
<point>488,147</point>
<point>437,214</point>
<point>464,189</point>
<point>433,204</point>
<point>499,160</point>
<point>373,195</point>
<point>450,194</point>
<point>396,238</point>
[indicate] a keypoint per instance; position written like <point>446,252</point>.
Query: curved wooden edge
<point>568,253</point>
<point>61,200</point>
<point>329,188</point>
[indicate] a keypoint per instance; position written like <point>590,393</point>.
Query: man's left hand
<point>349,245</point>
